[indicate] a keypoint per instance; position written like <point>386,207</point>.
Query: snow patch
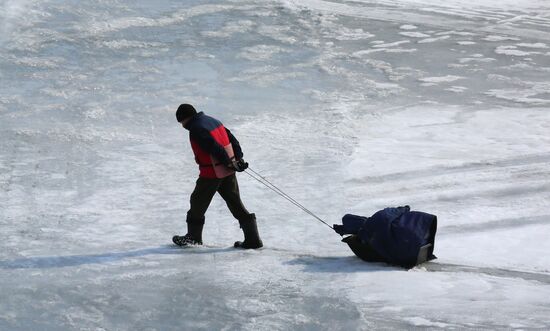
<point>461,6</point>
<point>420,321</point>
<point>408,27</point>
<point>527,66</point>
<point>456,89</point>
<point>96,113</point>
<point>393,74</point>
<point>456,33</point>
<point>241,26</point>
<point>499,38</point>
<point>36,62</point>
<point>260,52</point>
<point>117,24</point>
<point>386,50</point>
<point>525,96</point>
<point>386,45</point>
<point>476,59</point>
<point>344,33</point>
<point>277,32</point>
<point>431,40</point>
<point>532,45</point>
<point>12,14</point>
<point>512,51</point>
<point>441,79</point>
<point>266,75</point>
<point>124,44</point>
<point>414,34</point>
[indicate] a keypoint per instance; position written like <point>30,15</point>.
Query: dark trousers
<point>205,189</point>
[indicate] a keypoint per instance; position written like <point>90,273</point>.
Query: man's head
<point>184,113</point>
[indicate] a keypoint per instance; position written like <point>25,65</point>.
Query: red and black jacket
<point>208,136</point>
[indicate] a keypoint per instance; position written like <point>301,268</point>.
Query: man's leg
<point>202,195</point>
<point>229,190</point>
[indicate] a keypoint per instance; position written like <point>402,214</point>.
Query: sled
<point>366,253</point>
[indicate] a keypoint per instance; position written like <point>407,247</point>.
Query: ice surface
<point>349,106</point>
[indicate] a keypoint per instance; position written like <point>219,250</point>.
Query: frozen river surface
<point>349,106</point>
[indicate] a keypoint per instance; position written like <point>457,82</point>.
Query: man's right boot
<point>251,237</point>
<point>193,236</point>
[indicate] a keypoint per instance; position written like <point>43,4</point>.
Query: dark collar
<point>193,119</point>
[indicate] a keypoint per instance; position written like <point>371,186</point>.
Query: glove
<point>238,165</point>
<point>339,229</point>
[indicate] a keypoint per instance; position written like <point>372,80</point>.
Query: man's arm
<point>209,145</point>
<point>235,144</point>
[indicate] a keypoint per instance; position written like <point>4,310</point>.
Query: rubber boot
<point>193,236</point>
<point>251,237</point>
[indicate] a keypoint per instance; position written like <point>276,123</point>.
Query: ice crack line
<point>494,225</point>
<point>497,272</point>
<point>468,167</point>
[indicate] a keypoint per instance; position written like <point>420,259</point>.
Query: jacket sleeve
<point>209,145</point>
<point>235,144</point>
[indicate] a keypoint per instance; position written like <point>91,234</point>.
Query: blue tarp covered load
<point>393,235</point>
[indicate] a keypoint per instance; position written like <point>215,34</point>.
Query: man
<point>219,155</point>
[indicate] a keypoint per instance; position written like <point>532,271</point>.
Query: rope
<point>261,179</point>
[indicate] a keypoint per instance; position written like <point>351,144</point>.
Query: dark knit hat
<point>185,111</point>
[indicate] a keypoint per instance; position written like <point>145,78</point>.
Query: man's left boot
<point>193,236</point>
<point>251,237</point>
